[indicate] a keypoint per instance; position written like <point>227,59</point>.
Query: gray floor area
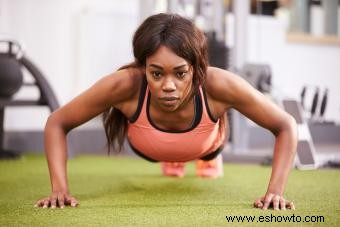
<point>324,153</point>
<point>92,141</point>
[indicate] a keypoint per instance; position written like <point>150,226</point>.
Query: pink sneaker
<point>173,169</point>
<point>210,169</point>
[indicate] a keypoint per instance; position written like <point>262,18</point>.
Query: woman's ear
<point>192,69</point>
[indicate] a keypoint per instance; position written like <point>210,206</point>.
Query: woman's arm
<point>234,92</point>
<point>113,90</point>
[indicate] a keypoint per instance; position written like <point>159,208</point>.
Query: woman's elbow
<point>292,125</point>
<point>53,122</point>
<point>289,127</point>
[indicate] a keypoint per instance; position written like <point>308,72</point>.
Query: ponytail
<point>115,123</point>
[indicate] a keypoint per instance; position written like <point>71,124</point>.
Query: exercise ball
<point>11,76</point>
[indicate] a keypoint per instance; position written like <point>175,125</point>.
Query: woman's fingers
<point>46,203</point>
<point>276,202</point>
<point>71,201</point>
<point>290,205</point>
<point>282,203</point>
<point>74,203</point>
<point>39,203</point>
<point>267,200</point>
<point>57,200</point>
<point>259,202</point>
<point>61,201</point>
<point>53,200</point>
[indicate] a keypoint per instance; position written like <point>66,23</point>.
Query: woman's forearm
<point>284,153</point>
<point>56,154</point>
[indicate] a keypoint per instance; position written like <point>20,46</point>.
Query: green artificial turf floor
<point>126,191</point>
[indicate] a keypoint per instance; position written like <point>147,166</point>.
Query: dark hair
<point>178,34</point>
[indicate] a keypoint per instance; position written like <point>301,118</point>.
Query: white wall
<point>73,42</point>
<point>293,64</point>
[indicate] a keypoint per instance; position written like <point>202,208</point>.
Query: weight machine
<point>12,62</point>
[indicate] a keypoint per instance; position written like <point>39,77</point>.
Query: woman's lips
<point>169,100</point>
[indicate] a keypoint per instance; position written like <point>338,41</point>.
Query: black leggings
<point>204,158</point>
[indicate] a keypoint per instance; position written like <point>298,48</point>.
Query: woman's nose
<point>168,85</point>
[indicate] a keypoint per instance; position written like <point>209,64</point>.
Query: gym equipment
<point>218,52</point>
<point>315,102</point>
<point>307,158</point>
<point>259,76</point>
<point>318,107</point>
<point>11,76</point>
<point>303,96</point>
<point>12,60</point>
<point>306,155</point>
<point>323,103</point>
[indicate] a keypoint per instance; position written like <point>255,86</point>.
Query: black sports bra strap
<point>140,101</point>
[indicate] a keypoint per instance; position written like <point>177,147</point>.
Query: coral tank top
<point>156,144</point>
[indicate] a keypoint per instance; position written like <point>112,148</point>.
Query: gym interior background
<point>289,50</point>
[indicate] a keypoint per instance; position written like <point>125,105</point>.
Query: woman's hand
<point>275,201</point>
<point>57,199</point>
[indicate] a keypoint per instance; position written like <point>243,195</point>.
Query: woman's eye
<point>156,75</point>
<point>181,74</point>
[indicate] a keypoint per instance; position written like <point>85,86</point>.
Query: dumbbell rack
<point>47,98</point>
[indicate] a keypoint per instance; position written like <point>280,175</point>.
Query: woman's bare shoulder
<point>124,83</point>
<point>221,83</point>
<point>127,78</point>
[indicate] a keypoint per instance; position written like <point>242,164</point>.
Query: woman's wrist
<point>275,189</point>
<point>59,188</point>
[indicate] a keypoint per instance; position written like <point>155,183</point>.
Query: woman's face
<point>169,79</point>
